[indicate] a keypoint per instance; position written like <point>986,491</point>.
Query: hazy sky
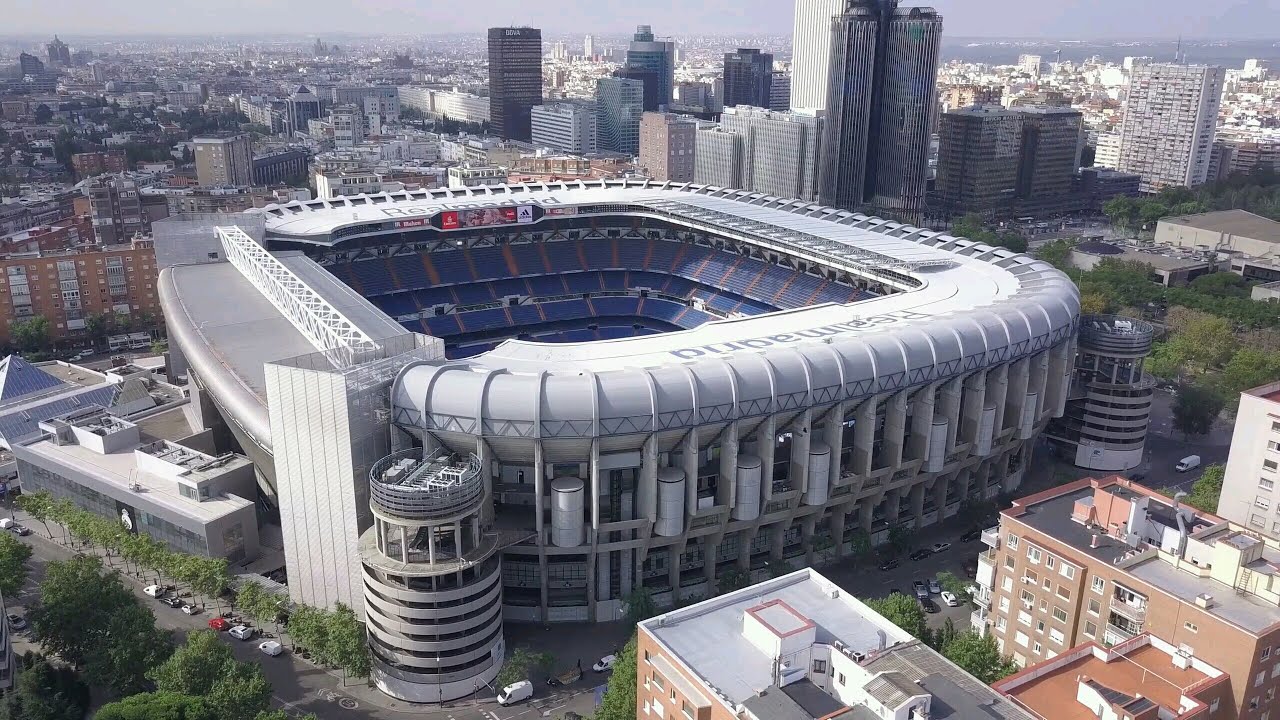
<point>1060,19</point>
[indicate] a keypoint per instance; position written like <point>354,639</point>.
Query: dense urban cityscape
<point>866,370</point>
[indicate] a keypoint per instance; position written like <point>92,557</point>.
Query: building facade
<point>748,78</point>
<point>224,160</point>
<point>780,150</point>
<point>978,155</point>
<point>1170,116</point>
<point>655,60</point>
<point>811,52</point>
<point>280,167</point>
<point>667,146</point>
<point>115,205</point>
<point>1107,560</point>
<point>880,105</point>
<point>1249,495</point>
<point>515,80</point>
<point>301,108</point>
<point>718,157</point>
<point>619,106</point>
<point>97,163</point>
<point>380,100</point>
<point>780,91</point>
<point>349,127</point>
<point>565,127</point>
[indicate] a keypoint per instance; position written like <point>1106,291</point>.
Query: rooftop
<point>1231,222</point>
<point>1266,392</point>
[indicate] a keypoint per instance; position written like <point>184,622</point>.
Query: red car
<point>219,624</point>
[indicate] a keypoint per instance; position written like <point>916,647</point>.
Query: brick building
<point>1106,560</point>
<point>88,164</point>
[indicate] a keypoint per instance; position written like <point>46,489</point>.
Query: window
<point>1033,554</point>
<point>1098,584</point>
<point>1013,541</point>
<point>1266,652</point>
<point>1191,626</point>
<point>1027,598</point>
<point>1021,638</point>
<point>1270,465</point>
<point>1024,619</point>
<point>1059,614</point>
<point>840,678</point>
<point>1266,484</point>
<point>819,667</point>
<point>1259,679</point>
<point>1040,626</point>
<point>646,656</point>
<point>1007,584</point>
<point>1000,623</point>
<point>1036,648</point>
<point>1069,571</point>
<point>1050,562</point>
<point>1095,607</point>
<point>1273,446</point>
<point>687,709</point>
<point>1048,584</point>
<point>1009,562</point>
<point>1262,502</point>
<point>1056,636</point>
<point>1063,592</point>
<point>1090,628</point>
<point>1004,604</point>
<point>657,681</point>
<point>1031,578</point>
<point>1257,520</point>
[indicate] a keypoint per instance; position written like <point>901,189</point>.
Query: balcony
<point>1116,635</point>
<point>978,621</point>
<point>982,598</point>
<point>991,537</point>
<point>986,576</point>
<point>1137,613</point>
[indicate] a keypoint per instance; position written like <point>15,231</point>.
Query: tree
<point>640,605</point>
<point>156,706</point>
<point>45,692</point>
<point>31,334</point>
<point>347,644</point>
<point>619,701</point>
<point>522,664</point>
<point>38,505</point>
<point>42,114</point>
<point>860,546</point>
<point>310,629</point>
<point>902,611</point>
<point>1094,303</point>
<point>1122,211</point>
<point>1195,409</point>
<point>1249,368</point>
<point>900,538</point>
<point>13,565</point>
<point>1057,253</point>
<point>979,656</point>
<point>1206,491</point>
<point>1206,342</point>
<point>954,584</point>
<point>734,578</point>
<point>240,693</point>
<point>127,647</point>
<point>1222,284</point>
<point>194,668</point>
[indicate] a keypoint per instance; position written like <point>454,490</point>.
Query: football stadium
<point>529,402</point>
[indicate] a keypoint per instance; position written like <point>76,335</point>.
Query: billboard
<point>485,217</point>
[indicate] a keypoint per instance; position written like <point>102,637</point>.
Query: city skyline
<point>1085,19</point>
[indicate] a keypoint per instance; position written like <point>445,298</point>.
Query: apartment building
<point>798,648</point>
<point>116,206</point>
<point>224,160</point>
<point>667,146</point>
<point>67,286</point>
<point>1105,560</point>
<point>1249,496</point>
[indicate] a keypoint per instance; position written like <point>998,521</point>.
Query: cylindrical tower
<point>819,473</point>
<point>747,503</point>
<point>567,502</point>
<point>1109,405</point>
<point>670,502</point>
<point>432,578</point>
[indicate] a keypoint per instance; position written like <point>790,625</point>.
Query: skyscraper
<point>300,107</point>
<point>58,52</point>
<point>667,146</point>
<point>29,64</point>
<point>779,152</point>
<point>224,160</point>
<point>647,55</point>
<point>568,127</point>
<point>619,105</point>
<point>780,91</point>
<point>515,79</point>
<point>588,47</point>
<point>1170,118</point>
<point>748,77</point>
<point>880,100</point>
<point>811,52</point>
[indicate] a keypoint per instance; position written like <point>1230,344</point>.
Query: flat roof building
<point>1223,230</point>
<point>1249,494</point>
<point>798,648</point>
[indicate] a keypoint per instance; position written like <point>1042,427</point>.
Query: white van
<point>515,692</point>
<point>1190,462</point>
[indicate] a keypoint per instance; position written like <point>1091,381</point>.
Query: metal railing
<point>433,489</point>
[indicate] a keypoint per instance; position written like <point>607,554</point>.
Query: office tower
<point>667,146</point>
<point>588,47</point>
<point>565,127</point>
<point>748,76</point>
<point>619,105</point>
<point>884,62</point>
<point>658,57</point>
<point>1029,64</point>
<point>717,158</point>
<point>1169,121</point>
<point>380,100</point>
<point>780,91</point>
<point>780,150</point>
<point>1052,139</point>
<point>811,52</point>
<point>116,209</point>
<point>224,160</point>
<point>649,79</point>
<point>515,80</point>
<point>348,125</point>
<point>29,64</point>
<point>58,53</point>
<point>978,150</point>
<point>1107,152</point>
<point>301,107</point>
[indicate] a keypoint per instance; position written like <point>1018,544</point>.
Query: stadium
<point>527,402</point>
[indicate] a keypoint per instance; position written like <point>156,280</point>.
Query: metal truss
<point>322,324</point>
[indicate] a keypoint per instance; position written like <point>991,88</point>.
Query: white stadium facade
<point>526,402</point>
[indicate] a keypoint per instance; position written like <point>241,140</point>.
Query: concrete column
<point>779,531</point>
<point>1060,366</point>
<point>800,432</point>
<point>486,473</point>
<point>594,470</point>
<point>949,407</point>
<point>892,501</point>
<point>940,493</point>
<point>917,504</point>
<point>766,441</point>
<point>922,422</point>
<point>673,571</point>
<point>431,546</point>
<point>997,390</point>
<point>647,490</point>
<point>864,435</point>
<point>404,545</point>
<point>974,400</point>
<point>836,525</point>
<point>806,537</point>
<point>1016,394</point>
<point>895,427</point>
<point>833,436</point>
<point>457,538</point>
<point>745,538</point>
<point>1038,381</point>
<point>475,531</point>
<point>709,550</point>
<point>866,510</point>
<point>539,489</point>
<point>689,455</point>
<point>727,487</point>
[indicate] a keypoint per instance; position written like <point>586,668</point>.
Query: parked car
<point>1190,462</point>
<point>928,605</point>
<point>190,609</point>
<point>241,632</point>
<point>921,589</point>
<point>16,622</point>
<point>21,530</point>
<point>605,664</point>
<point>935,588</point>
<point>888,565</point>
<point>219,624</point>
<point>971,535</point>
<point>941,547</point>
<point>515,692</point>
<point>271,647</point>
<point>172,601</point>
<point>155,591</point>
<point>6,523</point>
<point>950,598</point>
<point>921,554</point>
